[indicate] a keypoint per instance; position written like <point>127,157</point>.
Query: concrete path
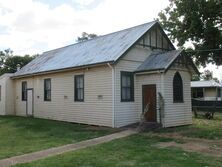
<point>66,148</point>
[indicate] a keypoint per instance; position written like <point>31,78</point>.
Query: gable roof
<point>103,49</point>
<point>159,61</point>
<point>202,84</point>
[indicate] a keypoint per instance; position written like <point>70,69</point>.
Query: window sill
<point>47,100</point>
<point>127,101</point>
<point>178,102</point>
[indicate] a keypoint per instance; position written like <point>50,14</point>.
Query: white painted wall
<point>148,79</point>
<point>94,110</point>
<point>3,95</point>
<point>127,112</point>
<point>7,95</point>
<point>177,113</point>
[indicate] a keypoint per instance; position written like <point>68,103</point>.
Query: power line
<point>204,50</point>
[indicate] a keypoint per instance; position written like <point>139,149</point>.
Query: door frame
<point>32,102</point>
<point>143,86</point>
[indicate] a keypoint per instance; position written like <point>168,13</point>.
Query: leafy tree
<point>198,22</point>
<point>208,75</point>
<point>9,63</point>
<point>85,36</point>
<point>195,77</point>
<point>4,54</point>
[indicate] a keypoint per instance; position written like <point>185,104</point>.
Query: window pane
<point>79,94</point>
<point>127,87</point>
<point>48,85</point>
<point>128,80</point>
<point>124,81</point>
<point>77,82</point>
<point>24,93</point>
<point>79,88</point>
<point>128,94</point>
<point>47,89</point>
<point>124,93</point>
<point>48,95</point>
<point>177,88</point>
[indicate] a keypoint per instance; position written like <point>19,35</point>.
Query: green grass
<point>201,128</point>
<point>20,135</point>
<point>136,150</point>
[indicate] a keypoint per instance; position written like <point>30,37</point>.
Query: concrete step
<point>145,126</point>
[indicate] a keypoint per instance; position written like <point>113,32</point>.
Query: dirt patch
<point>213,148</point>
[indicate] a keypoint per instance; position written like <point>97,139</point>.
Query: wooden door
<point>149,102</point>
<point>29,102</point>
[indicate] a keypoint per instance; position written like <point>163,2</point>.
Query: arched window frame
<point>177,88</point>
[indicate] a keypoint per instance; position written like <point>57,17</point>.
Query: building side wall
<point>177,113</point>
<point>210,93</point>
<point>96,108</point>
<point>149,79</point>
<point>10,98</point>
<point>3,96</point>
<point>127,112</point>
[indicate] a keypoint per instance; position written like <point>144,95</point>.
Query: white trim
<point>113,94</point>
<point>150,72</point>
<point>162,92</point>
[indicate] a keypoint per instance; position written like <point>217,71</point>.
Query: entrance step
<point>145,126</point>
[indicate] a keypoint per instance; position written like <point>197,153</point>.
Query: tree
<point>198,22</point>
<point>9,63</point>
<point>4,54</point>
<point>85,36</point>
<point>208,75</point>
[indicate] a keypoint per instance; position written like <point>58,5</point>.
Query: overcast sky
<point>34,26</point>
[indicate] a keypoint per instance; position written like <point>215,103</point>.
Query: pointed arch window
<point>177,88</point>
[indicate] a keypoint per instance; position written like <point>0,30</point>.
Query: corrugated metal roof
<point>107,48</point>
<point>210,83</point>
<point>159,61</point>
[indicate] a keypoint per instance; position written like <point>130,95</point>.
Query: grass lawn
<point>136,150</point>
<point>139,150</point>
<point>201,128</point>
<point>20,135</point>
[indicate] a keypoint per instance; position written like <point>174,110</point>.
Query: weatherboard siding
<point>3,96</point>
<point>177,113</point>
<point>7,96</point>
<point>10,98</point>
<point>96,108</point>
<point>127,112</point>
<point>148,79</point>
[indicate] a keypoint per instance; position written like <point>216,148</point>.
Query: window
<point>47,89</point>
<point>79,88</point>
<point>127,86</point>
<point>218,92</point>
<point>24,91</point>
<point>0,92</point>
<point>177,88</point>
<point>200,92</point>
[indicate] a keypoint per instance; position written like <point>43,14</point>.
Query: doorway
<point>29,102</point>
<point>149,102</point>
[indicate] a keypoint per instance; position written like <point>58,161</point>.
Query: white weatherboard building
<point>107,81</point>
<point>206,90</point>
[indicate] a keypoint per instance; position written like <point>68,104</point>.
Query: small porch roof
<point>158,61</point>
<point>162,61</point>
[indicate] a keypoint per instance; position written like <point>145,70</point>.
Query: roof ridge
<point>101,36</point>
